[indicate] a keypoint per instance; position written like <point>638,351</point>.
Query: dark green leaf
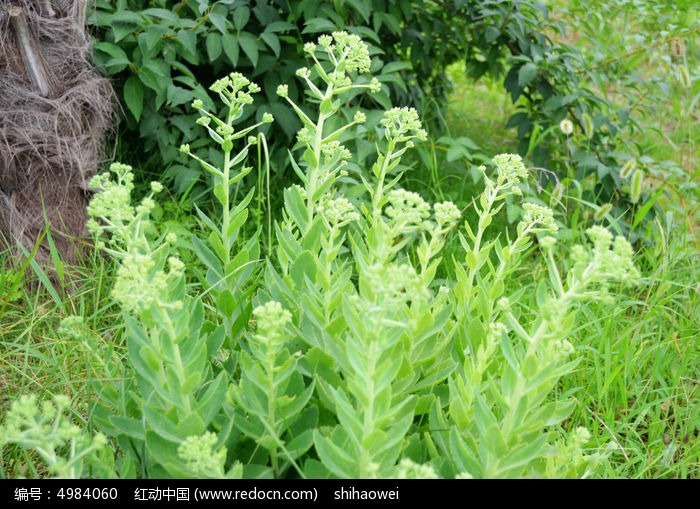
<point>214,46</point>
<point>230,45</point>
<point>240,17</point>
<point>249,44</point>
<point>219,21</point>
<point>316,25</point>
<point>526,74</point>
<point>133,96</point>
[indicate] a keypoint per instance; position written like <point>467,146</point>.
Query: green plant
<point>348,357</point>
<point>374,344</point>
<point>180,393</point>
<point>64,448</point>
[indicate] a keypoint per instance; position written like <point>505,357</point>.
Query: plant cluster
<point>354,350</point>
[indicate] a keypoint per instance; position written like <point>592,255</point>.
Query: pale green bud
<point>409,470</point>
<point>271,319</point>
<point>446,213</point>
<point>283,91</point>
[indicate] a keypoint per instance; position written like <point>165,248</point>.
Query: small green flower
<point>334,148</point>
<point>503,304</point>
<point>146,206</point>
<point>535,214</point>
<point>73,327</point>
<point>283,91</point>
<point>253,88</point>
<point>393,284</point>
<point>304,136</point>
<point>175,266</point>
<point>200,457</point>
<point>403,124</point>
<point>580,436</point>
<point>360,117</point>
<point>310,47</point>
<point>93,227</point>
<point>510,169</point>
<point>267,118</point>
<point>406,207</point>
<point>224,130</point>
<point>562,349</point>
<point>271,319</point>
<point>138,285</point>
<point>337,211</point>
<point>600,236</point>
<point>353,51</point>
<point>220,85</point>
<point>375,86</point>
<point>197,104</point>
<point>446,214</point>
<point>114,202</point>
<point>411,470</point>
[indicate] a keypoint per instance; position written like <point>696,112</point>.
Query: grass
<point>638,381</point>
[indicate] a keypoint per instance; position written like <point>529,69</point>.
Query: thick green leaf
<point>164,451</point>
<point>206,256</point>
<point>131,427</point>
<point>304,266</point>
<point>150,357</point>
<point>210,403</point>
<point>333,456</point>
<point>296,207</point>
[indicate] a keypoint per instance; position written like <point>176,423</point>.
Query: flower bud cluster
<point>200,457</point>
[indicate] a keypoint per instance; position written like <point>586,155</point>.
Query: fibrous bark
<point>56,112</point>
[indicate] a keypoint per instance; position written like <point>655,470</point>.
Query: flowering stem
<point>381,176</point>
<point>226,219</point>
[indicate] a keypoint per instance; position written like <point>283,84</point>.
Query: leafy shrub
<point>158,54</point>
